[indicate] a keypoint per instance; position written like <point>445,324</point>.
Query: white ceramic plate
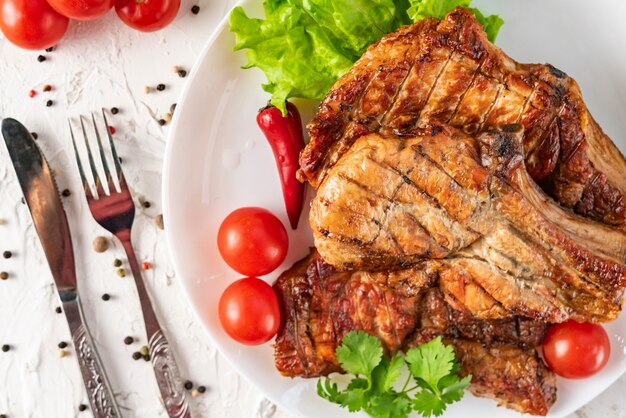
<point>217,160</point>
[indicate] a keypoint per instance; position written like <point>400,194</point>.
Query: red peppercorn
<point>32,93</point>
<point>112,130</point>
<point>146,266</point>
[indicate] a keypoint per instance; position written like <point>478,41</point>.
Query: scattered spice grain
<point>117,262</point>
<point>162,122</point>
<point>66,193</point>
<point>146,204</point>
<point>106,297</point>
<point>32,93</point>
<point>62,345</point>
<point>100,244</point>
<point>195,9</point>
<point>160,87</point>
<point>47,88</point>
<point>6,348</point>
<point>146,265</point>
<point>49,103</point>
<point>137,355</point>
<point>121,273</point>
<point>34,135</point>
<point>58,310</point>
<point>115,111</point>
<point>188,385</point>
<point>82,407</point>
<point>7,254</point>
<point>50,49</point>
<point>4,275</point>
<point>201,389</point>
<point>41,58</point>
<point>129,340</point>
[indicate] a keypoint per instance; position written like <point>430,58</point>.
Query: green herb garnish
<point>432,367</point>
<point>303,47</point>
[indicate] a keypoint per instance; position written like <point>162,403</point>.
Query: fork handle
<point>163,362</point>
<point>101,397</point>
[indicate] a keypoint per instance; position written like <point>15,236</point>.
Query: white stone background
<point>105,64</point>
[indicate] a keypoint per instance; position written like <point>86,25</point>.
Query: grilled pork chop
<point>404,309</point>
<point>448,72</point>
<point>469,207</point>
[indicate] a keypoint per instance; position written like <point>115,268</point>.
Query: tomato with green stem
<point>147,15</point>
<point>31,24</point>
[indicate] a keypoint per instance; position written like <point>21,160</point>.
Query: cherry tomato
<point>147,15</point>
<point>249,311</point>
<point>576,350</point>
<point>252,241</point>
<point>82,9</point>
<point>31,24</point>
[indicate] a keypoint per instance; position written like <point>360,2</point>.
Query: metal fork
<point>115,211</point>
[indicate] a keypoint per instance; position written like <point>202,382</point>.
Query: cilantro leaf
<point>431,362</point>
<point>432,365</point>
<point>359,353</point>
<point>428,403</point>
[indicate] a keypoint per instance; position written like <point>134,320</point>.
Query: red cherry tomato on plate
<point>147,15</point>
<point>252,241</point>
<point>249,312</point>
<point>82,9</point>
<point>576,350</point>
<point>31,24</point>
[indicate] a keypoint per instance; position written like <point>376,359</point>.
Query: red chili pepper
<point>284,133</point>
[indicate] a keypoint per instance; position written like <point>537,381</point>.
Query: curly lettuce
<point>304,46</point>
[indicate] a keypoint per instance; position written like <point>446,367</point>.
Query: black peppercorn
<point>82,407</point>
<point>160,87</point>
<point>7,254</point>
<point>182,73</point>
<point>4,275</point>
<point>50,49</point>
<point>172,108</point>
<point>162,122</point>
<point>188,385</point>
<point>66,193</point>
<point>6,347</point>
<point>106,297</point>
<point>49,103</point>
<point>146,204</point>
<point>41,58</point>
<point>58,310</point>
<point>34,135</point>
<point>201,389</point>
<point>62,345</point>
<point>115,110</point>
<point>3,416</point>
<point>136,355</point>
<point>129,340</point>
<point>195,9</point>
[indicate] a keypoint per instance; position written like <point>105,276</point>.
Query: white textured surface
<point>100,64</point>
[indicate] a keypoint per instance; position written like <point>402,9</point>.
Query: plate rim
<point>166,204</point>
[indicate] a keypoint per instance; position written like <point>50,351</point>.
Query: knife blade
<point>43,200</point>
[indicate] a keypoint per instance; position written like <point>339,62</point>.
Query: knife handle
<point>99,391</point>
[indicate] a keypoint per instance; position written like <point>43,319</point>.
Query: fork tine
<point>107,173</point>
<point>116,160</point>
<point>86,187</point>
<point>92,165</point>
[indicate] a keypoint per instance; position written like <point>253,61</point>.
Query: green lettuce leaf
<point>304,46</point>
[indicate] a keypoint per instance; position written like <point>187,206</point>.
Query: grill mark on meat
<point>462,96</point>
<point>490,108</point>
<point>434,86</point>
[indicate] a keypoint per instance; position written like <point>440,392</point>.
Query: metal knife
<point>50,221</point>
